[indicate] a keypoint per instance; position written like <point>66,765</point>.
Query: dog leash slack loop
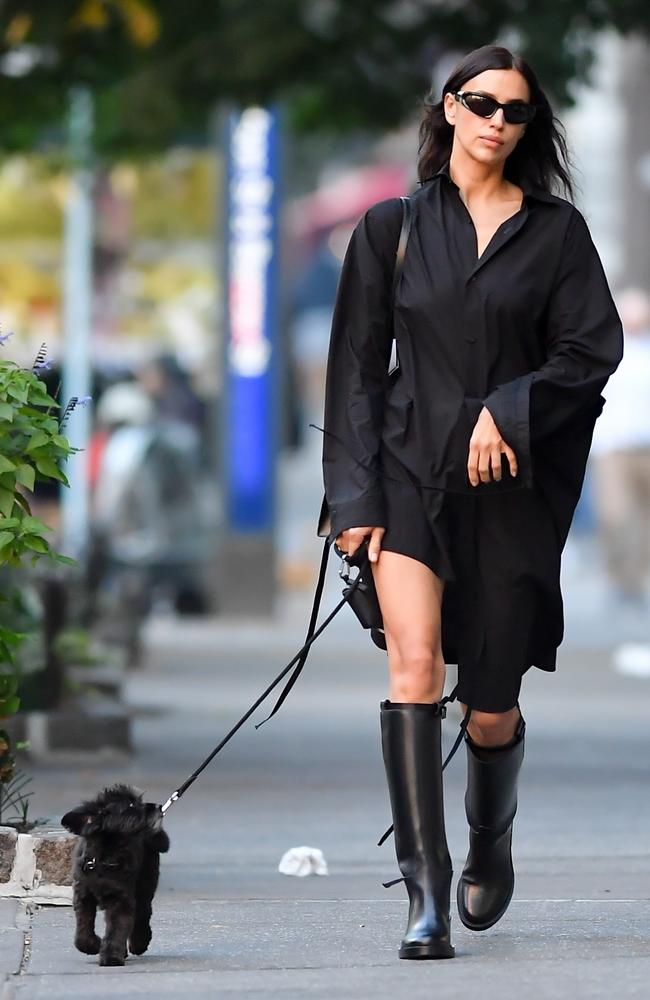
<point>296,664</point>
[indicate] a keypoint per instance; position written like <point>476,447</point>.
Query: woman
<point>463,472</point>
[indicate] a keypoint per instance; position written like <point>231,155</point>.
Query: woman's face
<point>473,132</point>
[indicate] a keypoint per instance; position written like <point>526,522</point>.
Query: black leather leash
<point>297,663</point>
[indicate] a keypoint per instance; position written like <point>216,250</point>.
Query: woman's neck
<point>476,181</point>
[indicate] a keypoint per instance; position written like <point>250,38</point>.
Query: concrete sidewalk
<point>226,923</point>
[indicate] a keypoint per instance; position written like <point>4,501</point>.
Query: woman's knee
<point>492,728</point>
<point>413,660</point>
<point>416,675</point>
<point>410,599</point>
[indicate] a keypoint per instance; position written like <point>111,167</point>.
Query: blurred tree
<point>156,67</point>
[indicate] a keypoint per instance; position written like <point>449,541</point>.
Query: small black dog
<point>116,866</point>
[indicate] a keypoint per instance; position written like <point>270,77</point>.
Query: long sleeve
<point>357,366</point>
<point>584,345</point>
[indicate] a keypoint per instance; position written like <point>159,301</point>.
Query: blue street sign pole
<point>249,424</point>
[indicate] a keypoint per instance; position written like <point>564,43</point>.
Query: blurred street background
<point>178,183</point>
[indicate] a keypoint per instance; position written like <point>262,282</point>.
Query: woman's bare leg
<point>492,729</point>
<point>410,597</point>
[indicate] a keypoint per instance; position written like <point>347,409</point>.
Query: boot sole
<point>423,951</point>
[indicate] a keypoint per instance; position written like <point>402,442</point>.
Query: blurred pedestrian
<point>170,389</point>
<point>621,458</point>
<point>149,535</point>
<point>464,470</point>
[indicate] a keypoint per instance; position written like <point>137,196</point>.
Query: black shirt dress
<point>529,330</point>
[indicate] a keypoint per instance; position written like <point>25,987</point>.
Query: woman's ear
<point>449,107</point>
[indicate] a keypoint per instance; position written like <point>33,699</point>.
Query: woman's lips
<point>491,142</point>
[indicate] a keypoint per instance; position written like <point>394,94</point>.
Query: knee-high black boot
<point>411,743</point>
<point>487,882</point>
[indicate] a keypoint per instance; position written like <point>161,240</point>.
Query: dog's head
<point>116,825</point>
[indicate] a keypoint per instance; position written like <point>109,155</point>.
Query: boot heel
<point>437,949</point>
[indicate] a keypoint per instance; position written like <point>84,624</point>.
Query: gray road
<point>227,923</point>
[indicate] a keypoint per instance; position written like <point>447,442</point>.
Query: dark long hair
<point>541,154</point>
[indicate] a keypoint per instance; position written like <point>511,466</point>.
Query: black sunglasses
<point>515,112</point>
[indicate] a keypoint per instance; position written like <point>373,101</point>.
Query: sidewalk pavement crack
<point>24,922</point>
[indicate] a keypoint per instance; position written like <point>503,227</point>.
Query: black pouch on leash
<point>363,598</point>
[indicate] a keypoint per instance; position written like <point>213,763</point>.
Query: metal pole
<point>77,304</point>
<point>249,432</point>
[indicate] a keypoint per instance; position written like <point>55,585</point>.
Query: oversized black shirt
<point>528,330</point>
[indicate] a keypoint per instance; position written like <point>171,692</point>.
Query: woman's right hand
<point>350,540</point>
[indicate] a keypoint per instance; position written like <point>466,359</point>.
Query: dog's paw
<point>140,940</point>
<point>111,958</point>
<point>88,945</point>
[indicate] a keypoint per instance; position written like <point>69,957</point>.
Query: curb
<point>37,866</point>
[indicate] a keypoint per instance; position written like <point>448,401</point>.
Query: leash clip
<point>170,802</point>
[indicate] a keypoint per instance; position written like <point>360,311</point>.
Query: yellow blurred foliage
<point>18,29</point>
<point>91,14</point>
<point>140,20</point>
<point>24,280</point>
<point>168,279</point>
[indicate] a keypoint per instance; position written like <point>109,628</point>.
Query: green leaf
<point>26,475</point>
<point>38,440</point>
<point>6,537</point>
<point>39,398</point>
<point>35,543</point>
<point>6,465</point>
<point>48,467</point>
<point>9,707</point>
<point>61,441</point>
<point>6,412</point>
<point>18,392</point>
<point>34,526</point>
<point>8,685</point>
<point>10,636</point>
<point>6,501</point>
<point>65,560</point>
<point>23,501</point>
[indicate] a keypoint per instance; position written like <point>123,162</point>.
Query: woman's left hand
<point>485,448</point>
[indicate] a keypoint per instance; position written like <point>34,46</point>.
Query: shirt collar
<point>530,189</point>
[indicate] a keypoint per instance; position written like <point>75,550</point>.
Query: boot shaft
<point>491,795</point>
<point>411,745</point>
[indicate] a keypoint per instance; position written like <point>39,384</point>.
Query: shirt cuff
<point>509,405</point>
<point>355,514</point>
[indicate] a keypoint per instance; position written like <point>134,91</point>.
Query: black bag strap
<point>407,221</point>
<point>400,254</point>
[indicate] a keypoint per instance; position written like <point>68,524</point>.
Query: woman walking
<point>463,472</point>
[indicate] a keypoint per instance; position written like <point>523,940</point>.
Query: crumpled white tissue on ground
<point>632,658</point>
<point>303,861</point>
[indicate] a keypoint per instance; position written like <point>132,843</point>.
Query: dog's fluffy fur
<point>116,866</point>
